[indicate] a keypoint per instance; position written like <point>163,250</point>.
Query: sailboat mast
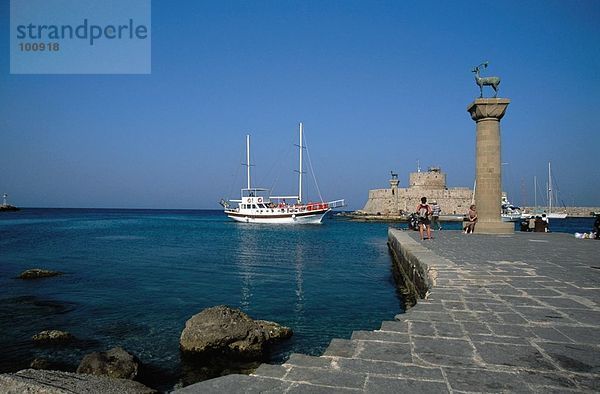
<point>300,169</point>
<point>549,189</point>
<point>248,158</point>
<point>535,191</point>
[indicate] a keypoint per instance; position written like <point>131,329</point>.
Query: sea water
<point>133,277</point>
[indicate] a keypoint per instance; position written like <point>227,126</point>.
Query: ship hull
<point>313,217</point>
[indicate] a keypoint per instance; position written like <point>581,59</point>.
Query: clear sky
<point>378,85</point>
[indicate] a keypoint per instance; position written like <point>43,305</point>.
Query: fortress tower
<point>430,184</point>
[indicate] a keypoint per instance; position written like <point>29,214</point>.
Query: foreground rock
<point>114,363</point>
<point>37,273</point>
<point>53,336</point>
<point>56,382</point>
<point>229,332</point>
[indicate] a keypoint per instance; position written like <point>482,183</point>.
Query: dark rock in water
<point>53,336</point>
<point>55,382</point>
<point>229,332</point>
<point>40,363</point>
<point>36,273</point>
<point>115,363</point>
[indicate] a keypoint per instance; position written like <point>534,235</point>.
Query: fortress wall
<point>382,201</point>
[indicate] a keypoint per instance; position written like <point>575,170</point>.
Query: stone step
<point>302,360</point>
<point>381,336</point>
<point>341,348</point>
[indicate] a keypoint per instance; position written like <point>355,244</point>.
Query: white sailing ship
<point>256,205</point>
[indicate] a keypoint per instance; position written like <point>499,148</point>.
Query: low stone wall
<point>413,269</point>
<point>571,211</point>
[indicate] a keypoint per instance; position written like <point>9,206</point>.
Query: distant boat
<point>550,214</point>
<point>6,207</point>
<point>256,205</point>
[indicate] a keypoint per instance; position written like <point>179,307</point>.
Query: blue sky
<point>378,85</point>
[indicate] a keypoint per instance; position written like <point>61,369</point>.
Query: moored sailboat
<point>256,205</point>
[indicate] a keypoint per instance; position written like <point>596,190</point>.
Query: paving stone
<point>455,305</point>
<point>587,382</point>
<point>512,330</point>
<point>547,379</point>
<point>380,336</point>
<point>422,328</point>
<point>449,330</point>
<point>303,360</point>
<point>521,301</point>
<point>497,339</point>
<point>500,308</point>
<point>388,385</point>
<point>475,327</point>
<point>387,351</point>
<point>574,357</point>
<point>396,326</point>
<point>543,315</point>
<point>424,306</point>
<point>439,350</point>
<point>550,334</point>
<point>461,316</point>
<point>543,292</point>
<point>373,367</point>
<point>325,377</point>
<point>561,302</point>
<point>416,315</point>
<point>584,316</point>
<point>513,355</point>
<point>236,384</point>
<point>302,388</point>
<point>481,380</point>
<point>341,348</point>
<point>270,371</point>
<point>511,318</point>
<point>581,334</point>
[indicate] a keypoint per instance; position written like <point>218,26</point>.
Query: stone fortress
<point>431,184</point>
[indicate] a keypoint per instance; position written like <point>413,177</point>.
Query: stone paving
<point>516,313</point>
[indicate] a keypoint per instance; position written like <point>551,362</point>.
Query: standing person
<point>597,226</point>
<point>472,216</point>
<point>435,215</point>
<point>531,223</point>
<point>546,221</point>
<point>424,212</point>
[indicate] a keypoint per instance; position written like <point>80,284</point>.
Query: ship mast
<point>248,158</point>
<point>549,189</point>
<point>300,169</point>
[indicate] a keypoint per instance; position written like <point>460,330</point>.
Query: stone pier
<point>503,313</point>
<point>487,112</point>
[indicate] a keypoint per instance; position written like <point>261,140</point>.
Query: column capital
<point>488,108</point>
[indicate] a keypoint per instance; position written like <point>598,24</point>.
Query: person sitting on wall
<point>597,226</point>
<point>472,219</point>
<point>540,225</point>
<point>435,216</point>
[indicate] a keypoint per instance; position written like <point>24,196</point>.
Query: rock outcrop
<point>53,336</point>
<point>224,331</point>
<point>57,382</point>
<point>37,273</point>
<point>114,363</point>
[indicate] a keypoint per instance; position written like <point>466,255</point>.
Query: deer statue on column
<point>485,81</point>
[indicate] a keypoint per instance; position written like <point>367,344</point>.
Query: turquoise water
<point>133,277</point>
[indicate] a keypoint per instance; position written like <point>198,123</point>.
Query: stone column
<point>487,112</point>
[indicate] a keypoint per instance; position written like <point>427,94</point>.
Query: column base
<point>495,228</point>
